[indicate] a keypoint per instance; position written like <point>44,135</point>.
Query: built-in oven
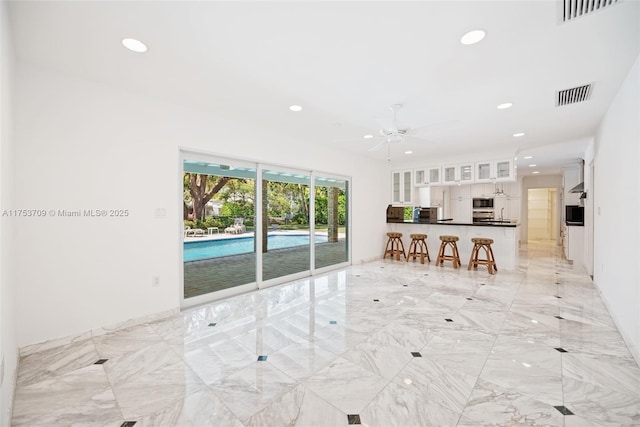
<point>482,202</point>
<point>482,216</point>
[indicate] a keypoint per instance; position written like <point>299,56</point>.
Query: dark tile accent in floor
<point>558,296</point>
<point>559,317</point>
<point>262,358</point>
<point>100,361</point>
<point>354,419</point>
<point>376,300</point>
<point>333,322</point>
<point>128,424</point>
<point>212,324</point>
<point>470,299</point>
<point>405,285</point>
<point>449,320</point>
<point>564,410</point>
<point>561,350</point>
<point>416,354</point>
<point>482,284</point>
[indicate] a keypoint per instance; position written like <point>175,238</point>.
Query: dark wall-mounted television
<point>574,214</point>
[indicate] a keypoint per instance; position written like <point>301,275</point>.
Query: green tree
<point>201,188</point>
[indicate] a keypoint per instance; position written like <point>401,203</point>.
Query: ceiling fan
<point>391,134</point>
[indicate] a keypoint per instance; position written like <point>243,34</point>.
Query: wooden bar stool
<point>455,256</point>
<point>418,248</point>
<point>489,260</point>
<point>395,247</point>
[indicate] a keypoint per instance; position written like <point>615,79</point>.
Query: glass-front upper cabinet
<point>490,171</point>
<point>449,174</point>
<point>434,175</point>
<point>466,173</point>
<point>483,171</point>
<point>428,176</point>
<point>402,187</point>
<point>504,170</point>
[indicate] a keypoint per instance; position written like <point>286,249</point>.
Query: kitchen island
<point>505,237</point>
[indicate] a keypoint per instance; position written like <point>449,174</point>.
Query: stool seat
<point>482,240</point>
<point>482,243</point>
<point>394,247</point>
<point>418,247</point>
<point>448,241</point>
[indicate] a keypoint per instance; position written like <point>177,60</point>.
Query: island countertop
<point>498,223</point>
<point>505,237</point>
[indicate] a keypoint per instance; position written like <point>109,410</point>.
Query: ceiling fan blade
<point>377,146</point>
<point>435,127</point>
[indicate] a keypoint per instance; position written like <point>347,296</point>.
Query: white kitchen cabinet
<point>461,210</point>
<point>402,187</point>
<point>494,170</point>
<point>573,243</point>
<point>507,208</point>
<point>427,176</point>
<point>482,190</point>
<point>458,174</point>
<point>434,175</point>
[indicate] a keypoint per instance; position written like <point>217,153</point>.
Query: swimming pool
<point>194,251</point>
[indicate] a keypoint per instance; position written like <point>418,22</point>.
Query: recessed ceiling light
<point>134,45</point>
<point>295,108</point>
<point>532,166</point>
<point>528,157</point>
<point>408,152</point>
<point>518,135</point>
<point>504,106</point>
<point>473,36</point>
<point>368,136</point>
<point>536,172</point>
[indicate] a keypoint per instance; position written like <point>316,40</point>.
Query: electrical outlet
<point>155,281</point>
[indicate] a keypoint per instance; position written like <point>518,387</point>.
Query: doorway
<point>542,214</point>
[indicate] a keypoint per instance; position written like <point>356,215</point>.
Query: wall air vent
<point>572,9</point>
<point>573,95</point>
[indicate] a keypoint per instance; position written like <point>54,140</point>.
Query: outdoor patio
<point>214,274</point>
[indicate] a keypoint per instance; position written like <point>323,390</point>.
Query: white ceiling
<point>346,63</point>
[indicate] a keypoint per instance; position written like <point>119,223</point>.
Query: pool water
<point>194,251</point>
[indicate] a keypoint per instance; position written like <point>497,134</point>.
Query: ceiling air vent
<point>572,9</point>
<point>573,95</point>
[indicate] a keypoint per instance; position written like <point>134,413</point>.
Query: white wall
<point>85,146</point>
<point>8,349</point>
<point>616,198</point>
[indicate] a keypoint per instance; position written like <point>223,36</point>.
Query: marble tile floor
<point>385,343</point>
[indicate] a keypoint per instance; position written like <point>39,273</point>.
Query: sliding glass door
<point>247,225</point>
<point>219,250</point>
<point>285,223</point>
<point>331,221</point>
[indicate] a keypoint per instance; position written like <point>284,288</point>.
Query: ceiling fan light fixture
<point>518,135</point>
<point>504,106</point>
<point>368,136</point>
<point>408,152</point>
<point>473,37</point>
<point>295,108</point>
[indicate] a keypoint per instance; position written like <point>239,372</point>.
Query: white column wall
<point>617,200</point>
<point>8,349</point>
<point>82,145</point>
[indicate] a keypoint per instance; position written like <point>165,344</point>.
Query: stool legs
<point>418,248</point>
<point>489,259</point>
<point>394,247</point>
<point>455,256</point>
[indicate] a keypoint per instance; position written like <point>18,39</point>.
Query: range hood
<point>578,188</point>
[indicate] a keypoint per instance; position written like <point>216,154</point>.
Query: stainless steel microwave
<point>482,202</point>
